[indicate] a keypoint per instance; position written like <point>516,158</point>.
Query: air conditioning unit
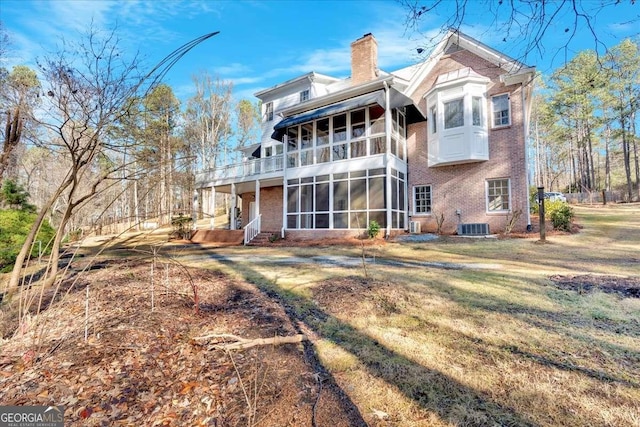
<point>414,227</point>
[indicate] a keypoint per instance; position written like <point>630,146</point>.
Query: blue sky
<point>262,43</point>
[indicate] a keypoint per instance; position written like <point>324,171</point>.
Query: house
<point>439,145</point>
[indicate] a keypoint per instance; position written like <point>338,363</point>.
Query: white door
<point>252,211</point>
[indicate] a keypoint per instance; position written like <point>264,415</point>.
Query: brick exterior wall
<point>270,207</point>
<point>463,186</point>
<point>364,59</point>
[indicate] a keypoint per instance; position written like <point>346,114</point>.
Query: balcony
<point>247,170</point>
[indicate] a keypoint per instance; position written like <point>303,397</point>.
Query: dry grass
<point>466,332</point>
<point>477,334</point>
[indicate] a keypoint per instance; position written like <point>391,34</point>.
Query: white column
<point>196,208</point>
<point>232,216</point>
<point>387,156</point>
<point>257,197</point>
<point>212,207</point>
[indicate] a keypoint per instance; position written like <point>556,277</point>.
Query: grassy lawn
<point>450,332</point>
<point>471,331</point>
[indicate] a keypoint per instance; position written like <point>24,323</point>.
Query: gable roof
<point>515,69</point>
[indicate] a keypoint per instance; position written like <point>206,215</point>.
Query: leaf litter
<point>141,363</point>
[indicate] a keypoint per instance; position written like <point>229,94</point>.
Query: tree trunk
<point>14,280</point>
<point>635,152</point>
<point>607,160</point>
<point>13,132</point>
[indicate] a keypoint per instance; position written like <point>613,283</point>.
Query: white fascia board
<point>426,67</point>
<point>522,76</point>
<point>311,77</point>
<point>336,96</point>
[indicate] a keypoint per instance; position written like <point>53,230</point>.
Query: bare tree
<point>19,96</point>
<point>248,117</point>
<point>524,23</point>
<point>90,88</point>
<point>209,118</point>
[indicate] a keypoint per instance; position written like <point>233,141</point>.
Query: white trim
<point>415,205</point>
<point>493,123</point>
<point>486,196</point>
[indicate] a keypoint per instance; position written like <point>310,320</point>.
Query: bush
<point>373,230</point>
<point>561,214</point>
<point>14,227</point>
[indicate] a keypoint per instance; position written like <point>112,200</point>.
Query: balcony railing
<point>247,168</point>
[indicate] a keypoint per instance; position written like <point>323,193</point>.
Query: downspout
<point>387,155</point>
<point>525,120</point>
<point>285,200</point>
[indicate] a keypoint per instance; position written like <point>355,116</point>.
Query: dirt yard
<point>167,365</point>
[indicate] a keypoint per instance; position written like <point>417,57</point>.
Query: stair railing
<point>252,229</point>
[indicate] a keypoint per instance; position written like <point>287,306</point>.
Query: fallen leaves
<point>139,367</point>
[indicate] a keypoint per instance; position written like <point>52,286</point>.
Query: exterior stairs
<point>263,239</point>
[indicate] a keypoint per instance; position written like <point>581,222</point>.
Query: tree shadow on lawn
<point>544,318</point>
<point>445,396</point>
<point>550,321</point>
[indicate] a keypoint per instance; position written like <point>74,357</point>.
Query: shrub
<point>182,226</point>
<point>374,229</point>
<point>14,227</point>
<point>560,213</point>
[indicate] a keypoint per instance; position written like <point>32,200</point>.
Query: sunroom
<point>345,166</point>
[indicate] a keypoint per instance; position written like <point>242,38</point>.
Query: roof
<point>311,76</point>
<point>455,37</point>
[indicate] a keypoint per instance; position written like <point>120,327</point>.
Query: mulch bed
<point>628,287</point>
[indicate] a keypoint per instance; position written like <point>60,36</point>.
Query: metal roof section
<point>461,73</point>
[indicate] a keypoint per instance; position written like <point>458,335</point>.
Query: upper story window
<point>304,95</point>
<point>476,110</point>
<point>268,111</point>
<point>458,129</point>
<point>501,110</point>
<point>356,133</point>
<point>454,113</point>
<point>434,119</point>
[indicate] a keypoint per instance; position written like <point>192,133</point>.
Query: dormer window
<point>458,129</point>
<point>304,95</point>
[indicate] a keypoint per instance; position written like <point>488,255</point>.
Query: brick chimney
<point>364,59</point>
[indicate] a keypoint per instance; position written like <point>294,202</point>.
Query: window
<point>304,95</point>
<point>476,110</point>
<point>434,120</point>
<point>498,195</point>
<point>268,111</point>
<point>422,199</point>
<point>454,113</point>
<point>501,110</point>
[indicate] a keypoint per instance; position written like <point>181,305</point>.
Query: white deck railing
<point>252,229</point>
<point>247,168</point>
